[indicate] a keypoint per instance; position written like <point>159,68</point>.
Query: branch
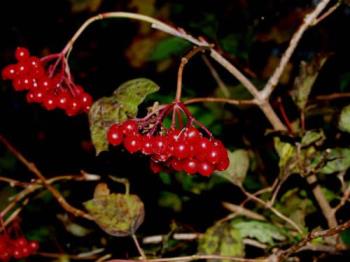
<point>332,96</point>
<point>32,167</point>
<point>216,76</point>
<point>263,103</point>
<point>192,258</point>
<point>309,19</point>
<point>184,61</point>
<point>239,210</point>
<point>220,100</point>
<point>313,235</point>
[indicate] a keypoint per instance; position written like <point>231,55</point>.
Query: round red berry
<point>115,135</point>
<point>9,72</point>
<point>205,168</point>
<point>22,54</point>
<point>190,166</point>
<point>133,143</point>
<point>155,167</point>
<point>129,127</point>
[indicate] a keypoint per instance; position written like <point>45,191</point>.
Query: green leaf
<point>123,104</point>
<point>313,137</point>
<point>263,232</point>
<point>296,205</point>
<point>170,200</point>
<point>171,46</point>
<point>345,236</point>
<point>116,214</point>
<point>238,168</point>
<point>285,151</point>
<point>344,120</point>
<point>222,239</point>
<point>306,79</point>
<point>338,161</point>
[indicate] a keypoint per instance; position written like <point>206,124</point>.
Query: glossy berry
<point>133,143</point>
<point>9,72</point>
<point>155,167</point>
<point>129,127</point>
<point>205,168</point>
<point>22,54</point>
<point>115,135</point>
<point>38,77</point>
<point>190,166</point>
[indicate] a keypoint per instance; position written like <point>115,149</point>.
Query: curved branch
<point>309,19</point>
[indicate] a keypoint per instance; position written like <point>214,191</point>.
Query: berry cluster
<point>179,149</point>
<point>17,248</point>
<point>47,81</point>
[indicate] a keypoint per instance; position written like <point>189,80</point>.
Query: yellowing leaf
<point>85,5</point>
<point>222,239</point>
<point>116,214</point>
<point>238,168</point>
<point>123,104</point>
<point>344,120</point>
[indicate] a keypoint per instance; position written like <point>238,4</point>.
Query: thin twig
<point>138,246</point>
<point>220,100</point>
<point>273,210</point>
<point>313,235</point>
<point>263,104</point>
<point>177,236</point>
<point>239,210</point>
<point>217,78</point>
<point>327,13</point>
<point>308,21</point>
<point>90,255</point>
<point>193,258</point>
<point>32,167</point>
<point>184,61</point>
<point>332,96</point>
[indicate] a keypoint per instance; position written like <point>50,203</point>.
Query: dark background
<point>59,144</point>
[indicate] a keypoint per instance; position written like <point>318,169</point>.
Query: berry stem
<point>184,61</point>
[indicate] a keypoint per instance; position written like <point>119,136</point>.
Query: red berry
<point>85,99</point>
<point>115,135</point>
<point>129,127</point>
<point>22,54</point>
<point>63,100</point>
<point>18,84</point>
<point>50,102</point>
<point>181,149</point>
<point>223,164</point>
<point>147,145</point>
<point>155,167</point>
<point>17,253</point>
<point>176,164</point>
<point>159,144</point>
<point>201,148</point>
<point>133,143</point>
<point>20,242</point>
<point>205,169</point>
<point>214,155</point>
<point>190,166</point>
<point>73,107</point>
<point>33,246</point>
<point>192,135</point>
<point>9,72</point>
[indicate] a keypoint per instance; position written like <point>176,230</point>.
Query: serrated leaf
<point>306,79</point>
<point>123,104</point>
<point>171,46</point>
<point>116,214</point>
<point>344,120</point>
<point>222,239</point>
<point>238,168</point>
<point>263,232</point>
<point>313,137</point>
